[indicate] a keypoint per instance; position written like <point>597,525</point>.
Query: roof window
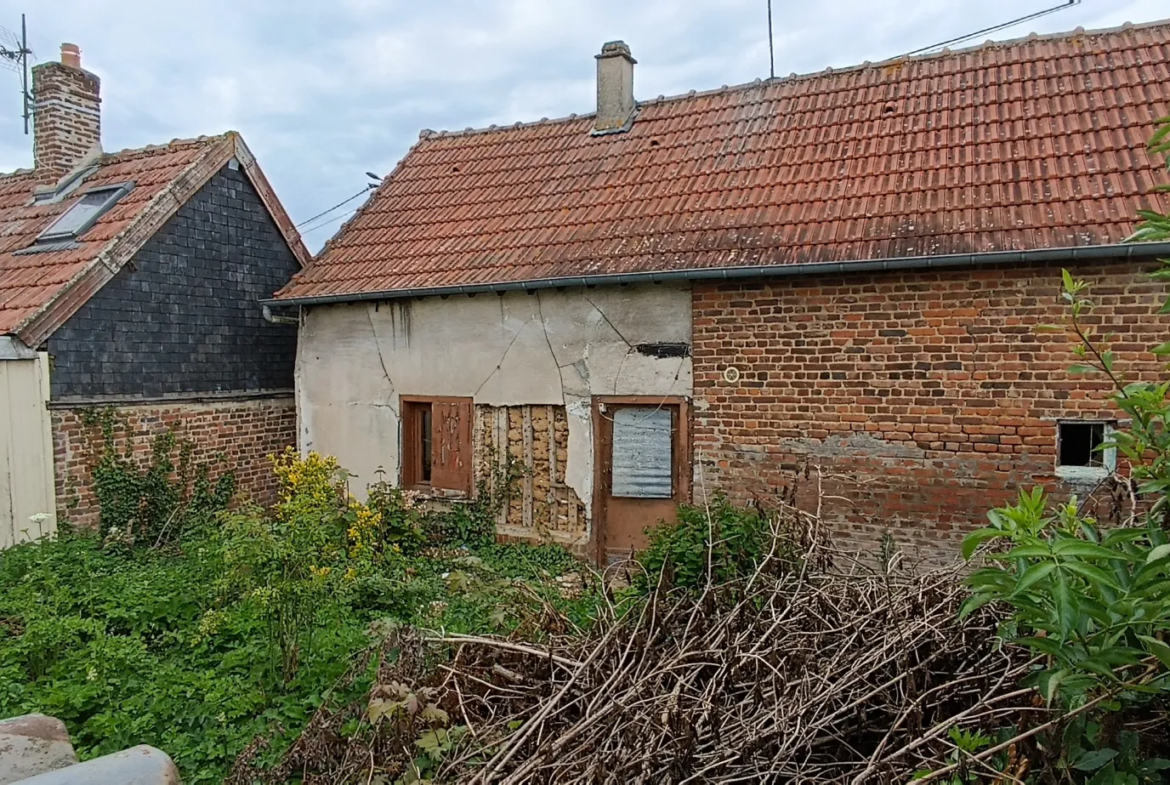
<point>83,214</point>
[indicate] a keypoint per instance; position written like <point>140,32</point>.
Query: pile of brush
<point>800,672</point>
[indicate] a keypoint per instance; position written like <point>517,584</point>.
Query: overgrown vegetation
<point>330,640</point>
<point>149,504</point>
<point>241,623</point>
<point>717,541</point>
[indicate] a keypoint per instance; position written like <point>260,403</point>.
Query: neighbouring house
<point>133,280</point>
<point>841,271</point>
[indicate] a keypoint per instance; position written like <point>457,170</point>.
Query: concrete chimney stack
<point>67,115</point>
<point>615,89</point>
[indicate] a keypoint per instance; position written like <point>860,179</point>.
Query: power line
<point>334,219</point>
<point>365,190</point>
<point>994,28</point>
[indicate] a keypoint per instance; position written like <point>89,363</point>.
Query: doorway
<point>642,470</point>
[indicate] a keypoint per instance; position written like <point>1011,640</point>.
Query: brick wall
<point>925,398</point>
<point>184,316</point>
<point>243,432</point>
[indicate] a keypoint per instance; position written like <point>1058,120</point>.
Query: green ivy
<point>150,504</point>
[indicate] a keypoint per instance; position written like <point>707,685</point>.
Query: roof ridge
<point>427,133</point>
<point>176,142</point>
<point>127,151</point>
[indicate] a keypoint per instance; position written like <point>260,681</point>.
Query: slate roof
<point>39,291</point>
<point>1037,143</point>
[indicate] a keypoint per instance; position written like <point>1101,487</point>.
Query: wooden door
<point>642,470</point>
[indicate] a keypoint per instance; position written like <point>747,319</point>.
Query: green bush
<point>1094,604</point>
<point>239,630</point>
<point>728,540</point>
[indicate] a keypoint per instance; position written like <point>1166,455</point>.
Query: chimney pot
<point>67,118</point>
<point>615,89</point>
<point>71,55</point>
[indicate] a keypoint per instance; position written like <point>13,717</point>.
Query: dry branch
<point>798,673</point>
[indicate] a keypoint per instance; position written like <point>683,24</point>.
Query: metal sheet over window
<point>643,454</point>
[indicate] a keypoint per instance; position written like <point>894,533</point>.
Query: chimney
<point>67,117</point>
<point>615,89</point>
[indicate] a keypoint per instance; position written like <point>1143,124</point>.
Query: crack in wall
<point>607,321</point>
<point>504,356</point>
<point>382,362</point>
<point>548,341</point>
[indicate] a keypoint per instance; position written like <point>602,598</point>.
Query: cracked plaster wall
<point>551,348</point>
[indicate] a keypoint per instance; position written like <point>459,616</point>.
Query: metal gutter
<point>1116,252</point>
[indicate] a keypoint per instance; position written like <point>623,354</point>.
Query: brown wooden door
<point>643,467</point>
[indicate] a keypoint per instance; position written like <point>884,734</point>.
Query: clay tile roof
<point>38,291</point>
<point>1037,143</point>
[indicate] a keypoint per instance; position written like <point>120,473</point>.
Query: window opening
<point>1079,443</point>
<point>643,452</point>
<point>425,441</point>
<point>82,214</point>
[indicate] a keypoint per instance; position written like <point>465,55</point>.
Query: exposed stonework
<point>542,506</point>
<point>233,434</point>
<point>67,122</point>
<point>925,397</point>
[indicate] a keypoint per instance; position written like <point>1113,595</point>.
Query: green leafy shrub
<point>399,518</point>
<point>1094,604</point>
<point>728,540</point>
<point>240,630</point>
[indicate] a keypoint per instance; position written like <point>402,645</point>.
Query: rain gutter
<point>1116,252</point>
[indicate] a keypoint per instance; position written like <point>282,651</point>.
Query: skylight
<point>83,214</point>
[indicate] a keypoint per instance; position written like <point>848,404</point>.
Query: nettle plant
<point>1094,604</point>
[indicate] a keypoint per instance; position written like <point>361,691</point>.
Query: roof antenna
<point>771,51</point>
<point>996,28</point>
<point>14,54</point>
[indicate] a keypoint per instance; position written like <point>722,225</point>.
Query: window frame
<point>1074,472</point>
<point>115,193</point>
<point>413,474</point>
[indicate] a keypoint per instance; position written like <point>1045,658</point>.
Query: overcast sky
<point>326,90</point>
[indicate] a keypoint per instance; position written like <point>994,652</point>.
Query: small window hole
<point>1079,443</point>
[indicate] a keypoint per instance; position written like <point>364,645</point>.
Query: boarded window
<point>436,444</point>
<point>643,452</point>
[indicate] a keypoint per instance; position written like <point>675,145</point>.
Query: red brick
<point>940,447</point>
<point>260,428</point>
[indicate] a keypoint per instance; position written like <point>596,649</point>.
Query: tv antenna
<point>14,54</point>
<point>771,49</point>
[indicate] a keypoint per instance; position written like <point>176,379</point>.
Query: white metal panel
<point>643,464</point>
<point>27,499</point>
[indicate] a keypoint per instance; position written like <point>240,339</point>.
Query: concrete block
<point>142,765</point>
<point>31,745</point>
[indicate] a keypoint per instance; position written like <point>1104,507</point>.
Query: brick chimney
<point>615,89</point>
<point>67,116</point>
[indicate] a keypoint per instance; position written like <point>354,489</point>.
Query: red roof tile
<point>1035,143</point>
<point>38,291</point>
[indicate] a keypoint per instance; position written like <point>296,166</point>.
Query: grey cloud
<point>324,91</point>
